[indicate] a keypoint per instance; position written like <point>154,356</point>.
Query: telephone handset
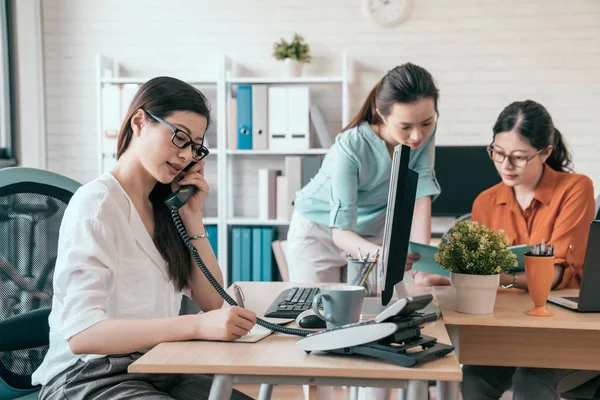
<point>181,196</point>
<point>176,201</point>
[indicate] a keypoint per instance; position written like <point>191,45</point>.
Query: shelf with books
<point>269,116</point>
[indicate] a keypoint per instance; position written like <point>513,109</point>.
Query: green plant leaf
<point>297,49</point>
<point>470,247</point>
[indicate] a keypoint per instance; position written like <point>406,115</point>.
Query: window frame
<point>7,127</point>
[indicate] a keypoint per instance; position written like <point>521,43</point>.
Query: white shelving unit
<point>107,73</point>
<point>276,152</point>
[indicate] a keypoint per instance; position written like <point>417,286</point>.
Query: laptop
<point>588,299</point>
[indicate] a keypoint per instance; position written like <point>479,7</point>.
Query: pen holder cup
<point>363,272</point>
<point>539,270</point>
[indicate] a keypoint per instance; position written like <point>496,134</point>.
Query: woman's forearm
<point>121,336</point>
<point>203,293</point>
<point>420,230</point>
<point>349,241</point>
<point>520,281</point>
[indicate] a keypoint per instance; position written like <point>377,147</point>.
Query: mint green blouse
<point>350,191</point>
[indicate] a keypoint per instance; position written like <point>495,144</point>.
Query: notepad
<point>257,333</point>
<point>427,262</point>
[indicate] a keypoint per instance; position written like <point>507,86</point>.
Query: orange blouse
<point>560,213</point>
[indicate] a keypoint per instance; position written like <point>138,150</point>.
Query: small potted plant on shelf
<point>475,256</point>
<point>293,55</point>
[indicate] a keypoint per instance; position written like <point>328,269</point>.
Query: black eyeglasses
<point>517,161</point>
<point>182,140</point>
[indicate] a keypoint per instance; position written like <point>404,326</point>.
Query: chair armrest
<point>25,331</point>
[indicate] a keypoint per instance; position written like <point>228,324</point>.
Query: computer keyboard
<point>291,302</point>
<point>573,299</point>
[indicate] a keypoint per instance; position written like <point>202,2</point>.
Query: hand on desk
<point>229,323</point>
<point>427,279</point>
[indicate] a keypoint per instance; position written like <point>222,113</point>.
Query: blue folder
<point>246,254</point>
<point>268,235</point>
<point>236,255</point>
<point>244,117</point>
<point>257,254</point>
<point>213,239</point>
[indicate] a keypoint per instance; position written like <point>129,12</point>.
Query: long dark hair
<point>407,83</point>
<point>533,122</point>
<point>161,97</point>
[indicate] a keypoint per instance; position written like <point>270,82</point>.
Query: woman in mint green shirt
<point>343,207</point>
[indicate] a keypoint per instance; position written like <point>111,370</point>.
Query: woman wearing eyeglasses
<point>121,267</point>
<point>539,199</point>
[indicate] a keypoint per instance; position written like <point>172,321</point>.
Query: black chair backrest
<point>32,204</point>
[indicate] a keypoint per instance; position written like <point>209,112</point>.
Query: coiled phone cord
<point>218,287</point>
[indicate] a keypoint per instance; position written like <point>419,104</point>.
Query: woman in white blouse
<point>122,268</point>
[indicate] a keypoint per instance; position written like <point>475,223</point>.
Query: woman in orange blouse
<point>538,199</point>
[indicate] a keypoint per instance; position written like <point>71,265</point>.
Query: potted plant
<point>475,255</point>
<point>293,55</point>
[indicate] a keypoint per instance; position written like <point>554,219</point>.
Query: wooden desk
<point>276,359</point>
<point>509,337</point>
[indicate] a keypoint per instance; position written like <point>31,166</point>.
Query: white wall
<point>483,53</point>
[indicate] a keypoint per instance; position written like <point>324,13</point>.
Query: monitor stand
<point>400,290</point>
<point>372,305</point>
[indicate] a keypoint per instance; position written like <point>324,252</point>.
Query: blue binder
<point>244,117</point>
<point>236,255</point>
<point>257,254</point>
<point>213,239</point>
<point>246,254</point>
<point>268,235</point>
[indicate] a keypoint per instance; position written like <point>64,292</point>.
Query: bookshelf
<point>108,73</point>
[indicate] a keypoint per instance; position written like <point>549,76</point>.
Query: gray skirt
<point>107,378</point>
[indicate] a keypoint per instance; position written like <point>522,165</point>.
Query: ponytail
<point>407,83</point>
<point>560,158</point>
<point>368,111</point>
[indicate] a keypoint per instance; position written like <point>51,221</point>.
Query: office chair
<point>278,247</point>
<point>32,204</point>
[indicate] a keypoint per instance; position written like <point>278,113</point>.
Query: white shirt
<point>107,267</point>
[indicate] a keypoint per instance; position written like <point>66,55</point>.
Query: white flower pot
<point>475,294</point>
<point>292,68</point>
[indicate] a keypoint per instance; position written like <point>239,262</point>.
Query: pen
<point>543,247</point>
<point>239,295</point>
<point>360,257</point>
<point>373,263</point>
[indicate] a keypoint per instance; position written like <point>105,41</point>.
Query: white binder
<point>289,118</point>
<point>259,117</point>
<point>298,117</point>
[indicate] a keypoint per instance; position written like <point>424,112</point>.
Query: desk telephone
<point>392,335</point>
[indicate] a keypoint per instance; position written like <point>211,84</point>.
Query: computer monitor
<point>462,172</point>
<point>398,221</point>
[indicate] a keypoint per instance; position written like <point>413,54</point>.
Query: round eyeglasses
<point>517,161</point>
